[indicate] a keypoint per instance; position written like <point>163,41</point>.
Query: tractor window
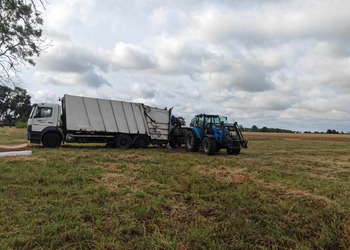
<point>44,112</point>
<point>213,120</point>
<point>223,119</point>
<point>200,122</point>
<point>193,122</point>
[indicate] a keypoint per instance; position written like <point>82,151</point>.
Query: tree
<point>264,129</point>
<point>14,104</point>
<point>20,36</point>
<point>332,131</point>
<point>255,128</point>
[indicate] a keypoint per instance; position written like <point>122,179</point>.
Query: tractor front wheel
<point>209,146</point>
<point>233,151</point>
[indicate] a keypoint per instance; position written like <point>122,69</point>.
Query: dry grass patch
<point>239,176</point>
<point>12,136</point>
<point>16,159</point>
<point>115,181</point>
<point>258,136</point>
<point>135,158</point>
<point>225,174</point>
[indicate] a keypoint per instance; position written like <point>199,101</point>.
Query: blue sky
<point>270,63</point>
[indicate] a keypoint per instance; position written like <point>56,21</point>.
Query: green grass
<point>278,193</point>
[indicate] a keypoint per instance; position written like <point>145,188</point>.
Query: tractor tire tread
<point>209,146</point>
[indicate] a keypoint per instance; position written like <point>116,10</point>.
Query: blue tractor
<point>213,133</point>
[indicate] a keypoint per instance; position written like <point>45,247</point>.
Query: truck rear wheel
<point>124,141</point>
<point>192,142</point>
<point>52,140</point>
<point>142,141</point>
<point>173,142</point>
<point>233,151</point>
<point>209,146</point>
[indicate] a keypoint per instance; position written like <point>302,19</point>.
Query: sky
<point>282,64</point>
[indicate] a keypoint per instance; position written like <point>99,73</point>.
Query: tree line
<point>255,128</point>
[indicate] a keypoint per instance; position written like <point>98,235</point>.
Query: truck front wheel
<point>124,141</point>
<point>209,146</point>
<point>51,140</point>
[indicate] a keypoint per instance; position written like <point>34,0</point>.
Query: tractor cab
<point>204,124</point>
<point>213,133</point>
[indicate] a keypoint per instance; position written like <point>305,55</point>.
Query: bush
<point>21,124</point>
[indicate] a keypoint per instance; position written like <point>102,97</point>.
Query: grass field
<point>284,191</point>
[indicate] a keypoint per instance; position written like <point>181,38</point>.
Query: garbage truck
<point>127,124</point>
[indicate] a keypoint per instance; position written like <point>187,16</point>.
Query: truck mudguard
<point>53,129</point>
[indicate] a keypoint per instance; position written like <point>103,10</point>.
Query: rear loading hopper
<point>99,116</point>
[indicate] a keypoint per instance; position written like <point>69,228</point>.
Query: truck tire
<point>209,146</point>
<point>191,142</point>
<point>51,140</point>
<point>142,141</point>
<point>124,141</point>
<point>233,151</point>
<point>173,142</point>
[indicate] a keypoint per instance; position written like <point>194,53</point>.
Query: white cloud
<point>159,16</point>
<point>131,56</point>
<point>143,90</point>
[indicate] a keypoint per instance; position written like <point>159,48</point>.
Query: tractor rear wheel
<point>191,142</point>
<point>233,151</point>
<point>124,141</point>
<point>209,146</point>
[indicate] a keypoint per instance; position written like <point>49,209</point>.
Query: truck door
<point>43,117</point>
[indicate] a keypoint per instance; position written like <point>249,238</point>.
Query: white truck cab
<point>44,118</point>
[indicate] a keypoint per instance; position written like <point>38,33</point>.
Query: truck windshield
<point>32,112</point>
<point>44,112</point>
